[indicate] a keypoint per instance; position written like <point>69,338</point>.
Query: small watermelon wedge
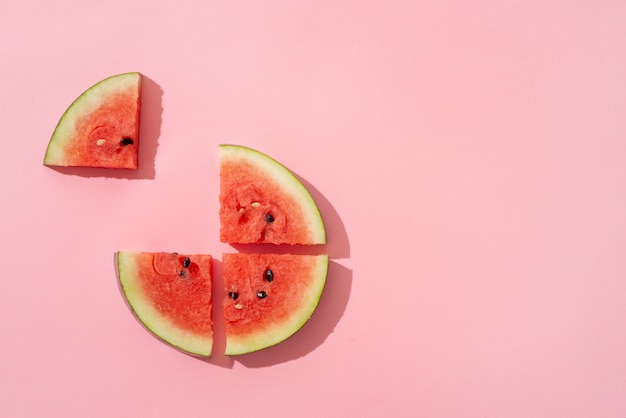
<point>101,127</point>
<point>269,297</point>
<point>170,294</point>
<point>261,201</point>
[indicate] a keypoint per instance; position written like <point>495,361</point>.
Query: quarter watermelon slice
<point>261,201</point>
<point>269,297</point>
<point>101,127</point>
<point>171,295</point>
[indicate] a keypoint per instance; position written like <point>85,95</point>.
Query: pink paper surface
<point>469,160</point>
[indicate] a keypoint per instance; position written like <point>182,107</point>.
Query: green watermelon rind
<point>159,325</point>
<point>87,102</point>
<point>286,179</point>
<point>282,331</point>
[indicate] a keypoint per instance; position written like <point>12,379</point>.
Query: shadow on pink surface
<point>219,341</point>
<point>149,132</point>
<point>337,242</point>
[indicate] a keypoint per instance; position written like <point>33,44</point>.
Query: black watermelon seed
<point>269,218</point>
<point>181,273</point>
<point>127,141</point>
<point>269,275</point>
<point>186,262</point>
<point>261,294</point>
<point>233,295</point>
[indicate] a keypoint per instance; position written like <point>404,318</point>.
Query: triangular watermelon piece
<point>170,294</point>
<point>269,297</point>
<point>101,127</point>
<point>261,201</point>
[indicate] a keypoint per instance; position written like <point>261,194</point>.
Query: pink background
<point>469,159</point>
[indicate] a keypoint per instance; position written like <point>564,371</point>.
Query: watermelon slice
<point>261,201</point>
<point>171,295</point>
<point>101,127</point>
<point>268,297</point>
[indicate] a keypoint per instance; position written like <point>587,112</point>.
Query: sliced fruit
<point>101,127</point>
<point>268,297</point>
<point>261,201</point>
<point>171,295</point>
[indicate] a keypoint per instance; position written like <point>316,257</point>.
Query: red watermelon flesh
<point>261,201</point>
<point>268,297</point>
<point>171,295</point>
<point>101,127</point>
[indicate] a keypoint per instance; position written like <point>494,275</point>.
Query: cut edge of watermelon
<point>282,331</point>
<point>157,324</point>
<point>86,103</point>
<point>231,152</point>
